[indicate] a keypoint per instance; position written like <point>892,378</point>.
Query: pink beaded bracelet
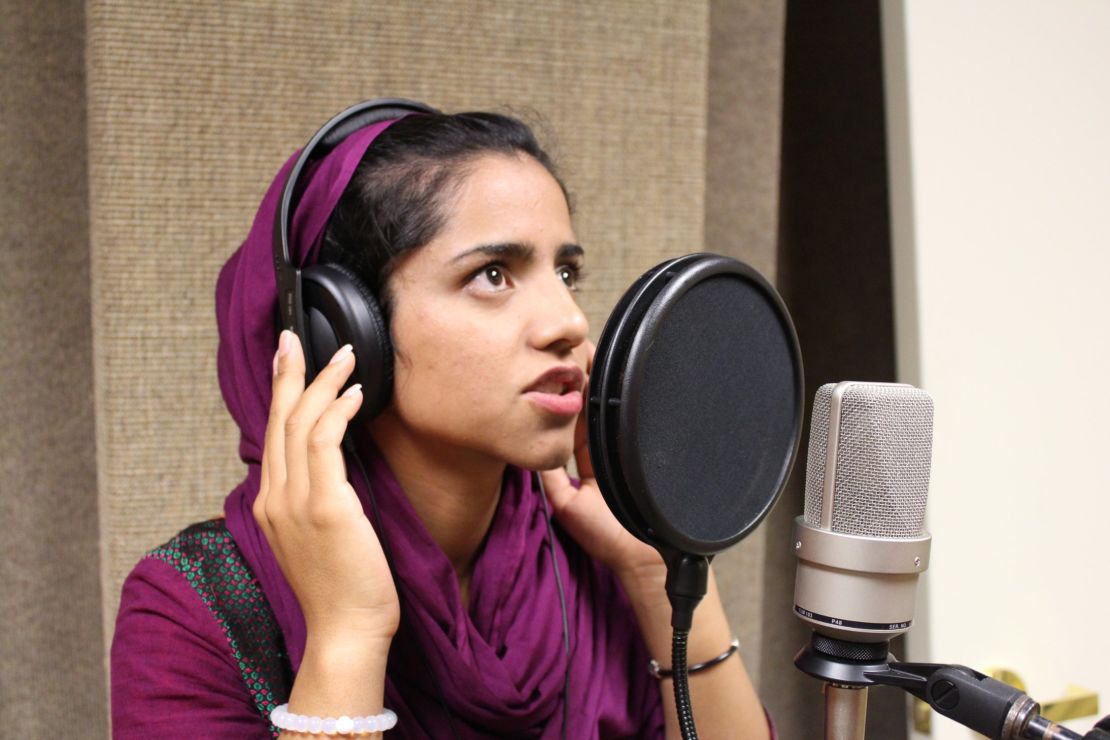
<point>283,719</point>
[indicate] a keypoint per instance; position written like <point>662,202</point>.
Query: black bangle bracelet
<point>661,673</point>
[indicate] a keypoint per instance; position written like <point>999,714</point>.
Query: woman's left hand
<point>584,514</point>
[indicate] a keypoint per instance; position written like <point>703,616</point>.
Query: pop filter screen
<point>695,404</point>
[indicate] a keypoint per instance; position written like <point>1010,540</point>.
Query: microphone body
<point>861,543</point>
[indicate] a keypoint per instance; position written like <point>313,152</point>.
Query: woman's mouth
<point>562,404</point>
<point>558,391</point>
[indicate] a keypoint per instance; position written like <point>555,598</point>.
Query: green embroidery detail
<point>209,559</point>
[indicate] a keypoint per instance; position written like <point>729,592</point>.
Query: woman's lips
<point>561,404</point>
<point>558,391</point>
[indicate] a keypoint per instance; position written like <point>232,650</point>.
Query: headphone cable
<point>349,446</point>
<point>562,599</point>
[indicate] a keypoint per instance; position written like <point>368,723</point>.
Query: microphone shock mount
<point>986,705</point>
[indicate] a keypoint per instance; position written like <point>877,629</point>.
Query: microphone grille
<point>883,437</point>
<point>816,455</point>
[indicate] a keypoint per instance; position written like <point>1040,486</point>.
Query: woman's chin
<point>545,457</point>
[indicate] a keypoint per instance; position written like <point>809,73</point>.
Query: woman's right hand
<point>310,514</point>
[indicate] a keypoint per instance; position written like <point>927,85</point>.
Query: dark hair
<point>397,199</point>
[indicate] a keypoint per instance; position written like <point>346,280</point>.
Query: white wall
<point>999,136</point>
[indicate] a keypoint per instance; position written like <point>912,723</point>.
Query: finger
<point>582,460</point>
<point>264,483</point>
<point>287,387</point>
<point>557,486</point>
<point>327,472</point>
<point>302,420</point>
<point>258,508</point>
<point>581,427</point>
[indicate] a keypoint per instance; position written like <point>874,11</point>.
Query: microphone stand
<point>845,711</point>
<point>986,705</point>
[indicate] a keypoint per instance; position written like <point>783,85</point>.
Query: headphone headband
<point>327,305</point>
<point>330,135</point>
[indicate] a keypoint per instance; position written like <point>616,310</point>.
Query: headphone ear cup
<point>339,309</point>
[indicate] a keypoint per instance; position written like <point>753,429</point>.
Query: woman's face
<point>490,342</point>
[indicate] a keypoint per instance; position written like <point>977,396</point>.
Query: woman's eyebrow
<point>569,250</point>
<point>518,252</point>
<point>508,250</point>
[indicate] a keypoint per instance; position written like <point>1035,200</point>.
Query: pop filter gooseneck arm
<point>694,417</point>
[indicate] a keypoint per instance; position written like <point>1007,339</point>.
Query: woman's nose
<point>558,322</point>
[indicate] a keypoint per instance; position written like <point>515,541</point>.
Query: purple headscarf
<point>498,668</point>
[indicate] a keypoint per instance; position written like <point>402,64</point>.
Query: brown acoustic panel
<point>834,269</point>
<point>192,108</point>
<point>51,653</point>
<point>744,123</point>
<point>741,213</point>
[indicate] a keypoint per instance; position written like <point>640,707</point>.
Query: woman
<point>441,590</point>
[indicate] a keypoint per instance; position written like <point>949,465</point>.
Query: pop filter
<point>695,408</point>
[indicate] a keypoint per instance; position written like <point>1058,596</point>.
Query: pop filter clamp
<point>694,418</point>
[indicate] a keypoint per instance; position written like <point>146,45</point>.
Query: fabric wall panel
<point>741,212</point>
<point>51,656</point>
<point>192,108</point>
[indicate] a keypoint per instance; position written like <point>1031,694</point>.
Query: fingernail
<point>275,363</point>
<point>354,390</point>
<point>284,341</point>
<point>340,355</point>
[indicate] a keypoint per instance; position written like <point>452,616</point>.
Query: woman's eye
<point>494,275</point>
<point>491,278</point>
<point>570,275</point>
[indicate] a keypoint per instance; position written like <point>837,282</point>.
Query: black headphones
<point>327,305</point>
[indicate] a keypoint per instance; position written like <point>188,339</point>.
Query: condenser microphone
<point>861,543</point>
